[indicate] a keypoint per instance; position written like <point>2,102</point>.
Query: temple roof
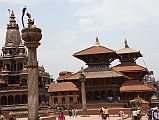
<point>128,50</point>
<point>135,86</point>
<point>96,49</point>
<point>64,74</point>
<point>98,74</point>
<point>65,86</point>
<point>129,66</point>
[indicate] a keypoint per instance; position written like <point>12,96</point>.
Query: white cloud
<point>105,14</point>
<point>13,1</point>
<point>2,37</point>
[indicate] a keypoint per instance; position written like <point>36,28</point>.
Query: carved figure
<point>30,21</point>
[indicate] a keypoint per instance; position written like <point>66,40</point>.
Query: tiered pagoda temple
<point>13,71</point>
<point>133,87</point>
<point>102,82</point>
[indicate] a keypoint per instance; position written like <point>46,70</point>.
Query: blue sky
<point>72,25</point>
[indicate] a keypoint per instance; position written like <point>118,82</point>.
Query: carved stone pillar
<point>82,79</point>
<point>32,36</point>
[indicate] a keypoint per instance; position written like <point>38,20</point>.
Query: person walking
<point>70,112</point>
<point>138,114</point>
<point>101,112</point>
<point>134,113</point>
<point>1,116</point>
<point>61,116</point>
<point>149,113</point>
<point>74,112</point>
<point>106,114</point>
<point>121,115</point>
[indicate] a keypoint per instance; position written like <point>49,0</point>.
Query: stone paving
<point>92,117</point>
<point>96,117</point>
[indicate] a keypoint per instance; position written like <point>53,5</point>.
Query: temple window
<point>89,95</point>
<point>96,95</point>
<point>63,100</point>
<point>71,99</point>
<point>24,99</point>
<point>103,95</point>
<point>110,93</point>
<point>20,66</point>
<point>3,100</point>
<point>13,80</point>
<point>63,93</point>
<point>55,101</point>
<point>94,82</point>
<point>10,100</point>
<point>17,99</point>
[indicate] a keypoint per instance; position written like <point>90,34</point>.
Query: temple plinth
<point>32,36</point>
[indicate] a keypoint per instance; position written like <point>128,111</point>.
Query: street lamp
<point>32,35</point>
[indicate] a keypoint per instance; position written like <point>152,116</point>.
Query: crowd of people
<point>71,113</point>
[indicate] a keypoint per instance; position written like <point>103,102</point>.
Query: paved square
<point>96,117</point>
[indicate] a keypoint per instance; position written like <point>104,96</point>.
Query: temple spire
<point>97,42</point>
<point>126,44</point>
<point>12,21</point>
<point>12,34</point>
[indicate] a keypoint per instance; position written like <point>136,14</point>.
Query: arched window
<point>71,99</point>
<point>3,100</point>
<point>10,100</point>
<point>17,99</point>
<point>90,95</point>
<point>103,95</point>
<point>20,66</point>
<point>24,99</point>
<point>55,101</point>
<point>110,93</point>
<point>63,100</point>
<point>13,66</point>
<point>96,95</point>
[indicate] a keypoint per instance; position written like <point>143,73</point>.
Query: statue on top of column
<point>82,74</point>
<point>30,20</point>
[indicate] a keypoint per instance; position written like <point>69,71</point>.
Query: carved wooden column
<point>32,36</point>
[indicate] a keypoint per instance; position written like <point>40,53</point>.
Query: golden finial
<point>97,42</point>
<point>126,44</point>
<point>12,13</point>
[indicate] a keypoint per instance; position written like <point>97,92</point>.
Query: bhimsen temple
<point>103,83</point>
<point>14,72</point>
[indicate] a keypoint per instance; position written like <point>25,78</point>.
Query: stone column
<point>32,36</point>
<point>82,79</point>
